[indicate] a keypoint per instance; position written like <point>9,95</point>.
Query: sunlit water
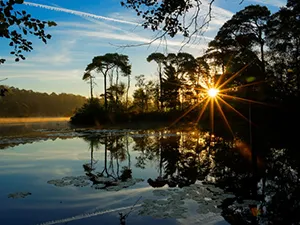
<point>27,164</point>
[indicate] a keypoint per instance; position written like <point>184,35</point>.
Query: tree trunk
<point>262,54</point>
<point>117,82</point>
<point>127,91</point>
<point>92,155</point>
<point>105,155</point>
<point>262,57</point>
<point>105,92</point>
<point>91,85</point>
<point>127,150</point>
<point>160,86</point>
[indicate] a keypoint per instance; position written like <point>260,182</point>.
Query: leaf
<point>19,1</point>
<point>51,24</point>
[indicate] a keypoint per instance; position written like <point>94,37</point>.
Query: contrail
<point>79,13</point>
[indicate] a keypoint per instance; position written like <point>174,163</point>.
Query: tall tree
<point>247,28</point>
<point>159,58</point>
<point>171,86</point>
<point>88,77</point>
<point>283,35</point>
<point>107,63</point>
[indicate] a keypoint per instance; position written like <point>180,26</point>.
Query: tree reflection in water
<point>115,152</point>
<point>267,194</point>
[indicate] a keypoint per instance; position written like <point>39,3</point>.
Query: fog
<point>32,120</point>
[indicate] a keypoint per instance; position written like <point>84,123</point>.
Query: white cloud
<point>276,3</point>
<point>46,74</point>
<point>218,17</point>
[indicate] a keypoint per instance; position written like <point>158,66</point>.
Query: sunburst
<point>215,94</point>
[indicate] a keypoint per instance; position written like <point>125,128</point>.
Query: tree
<point>88,77</point>
<point>15,24</point>
<point>145,95</point>
<point>140,99</point>
<point>159,58</point>
<point>283,37</point>
<point>171,86</point>
<point>105,64</point>
<point>115,94</point>
<point>247,28</point>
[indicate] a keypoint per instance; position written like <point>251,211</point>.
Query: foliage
<point>171,85</point>
<point>90,78</point>
<point>283,38</point>
<point>26,103</point>
<point>146,96</point>
<point>15,24</point>
<point>172,17</point>
<point>106,65</point>
<point>91,113</point>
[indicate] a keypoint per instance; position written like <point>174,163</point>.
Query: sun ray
<point>234,76</point>
<point>224,117</point>
<point>233,109</point>
<point>201,89</point>
<point>224,72</point>
<point>242,86</point>
<point>242,99</point>
<point>202,110</point>
<point>188,111</point>
<point>212,114</point>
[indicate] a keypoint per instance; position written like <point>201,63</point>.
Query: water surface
<point>29,163</point>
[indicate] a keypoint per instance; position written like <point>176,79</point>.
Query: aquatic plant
<point>172,201</point>
<point>100,182</point>
<point>19,195</point>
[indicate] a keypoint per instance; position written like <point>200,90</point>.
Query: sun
<point>212,92</point>
<point>214,95</point>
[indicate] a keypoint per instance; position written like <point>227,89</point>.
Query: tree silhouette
<point>15,24</point>
<point>88,77</point>
<point>159,58</point>
<point>105,64</point>
<point>247,28</point>
<point>283,37</point>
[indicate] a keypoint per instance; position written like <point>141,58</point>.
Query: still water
<point>54,171</point>
<point>53,174</point>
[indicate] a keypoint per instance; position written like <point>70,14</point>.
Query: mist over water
<point>31,125</point>
<point>15,120</point>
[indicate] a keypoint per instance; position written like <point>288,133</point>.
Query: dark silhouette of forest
<point>27,103</point>
<point>253,60</point>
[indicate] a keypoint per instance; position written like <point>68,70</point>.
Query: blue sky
<point>95,27</point>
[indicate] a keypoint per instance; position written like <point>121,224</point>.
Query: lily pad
<point>19,195</point>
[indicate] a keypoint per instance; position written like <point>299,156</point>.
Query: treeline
<point>255,57</point>
<point>27,103</point>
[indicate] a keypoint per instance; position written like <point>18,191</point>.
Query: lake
<point>54,174</point>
